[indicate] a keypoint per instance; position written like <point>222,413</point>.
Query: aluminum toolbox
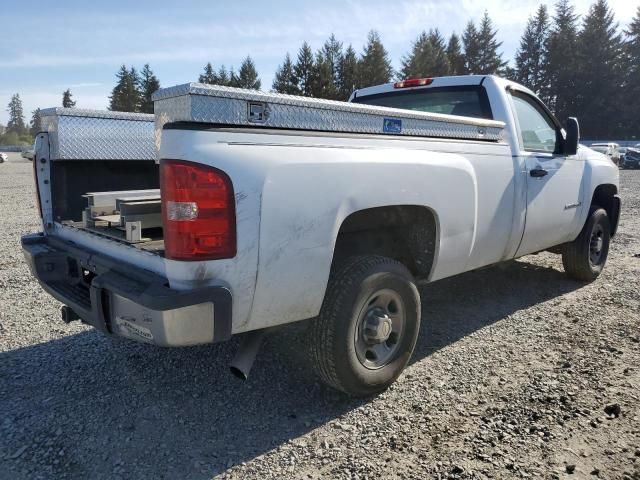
<point>216,105</point>
<point>77,134</point>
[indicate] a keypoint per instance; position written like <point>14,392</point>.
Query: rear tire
<point>367,327</point>
<point>585,257</point>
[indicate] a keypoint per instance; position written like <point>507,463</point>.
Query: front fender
<point>599,171</point>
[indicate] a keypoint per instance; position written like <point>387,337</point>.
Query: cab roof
<point>432,82</point>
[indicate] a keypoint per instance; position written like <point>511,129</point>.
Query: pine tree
<point>374,65</point>
<point>510,73</point>
<point>441,62</point>
<point>208,75</point>
<point>136,97</point>
<point>125,96</point>
<point>418,62</point>
<point>632,78</point>
<point>34,124</point>
<point>471,42</point>
<point>149,83</point>
<point>16,116</point>
<point>223,77</point>
<point>428,57</point>
<point>325,80</point>
<point>67,99</point>
<point>233,78</point>
<point>285,79</point>
<point>526,53</point>
<point>531,57</point>
<point>304,70</point>
<point>322,84</point>
<point>348,74</point>
<point>632,46</point>
<point>561,51</point>
<point>332,55</point>
<point>599,68</point>
<point>248,75</point>
<point>490,60</point>
<point>455,56</point>
<point>116,93</point>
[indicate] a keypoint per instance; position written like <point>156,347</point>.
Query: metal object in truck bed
<point>217,105</point>
<point>106,203</point>
<point>78,134</point>
<point>125,213</point>
<point>111,198</point>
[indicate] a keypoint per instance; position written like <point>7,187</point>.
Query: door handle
<point>538,172</point>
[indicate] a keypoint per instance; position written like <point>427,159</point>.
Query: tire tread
<point>322,329</point>
<point>573,255</point>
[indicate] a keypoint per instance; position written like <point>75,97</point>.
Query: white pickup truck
<point>233,211</point>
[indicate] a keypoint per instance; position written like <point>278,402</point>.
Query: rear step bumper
<point>125,300</point>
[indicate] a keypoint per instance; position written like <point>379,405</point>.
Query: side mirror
<point>573,136</point>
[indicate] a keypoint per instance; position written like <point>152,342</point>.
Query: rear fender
<point>305,203</point>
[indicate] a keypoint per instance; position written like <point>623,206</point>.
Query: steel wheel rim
<point>596,244</point>
<point>379,329</point>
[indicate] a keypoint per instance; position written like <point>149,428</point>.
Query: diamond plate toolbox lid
<point>78,134</point>
<point>196,102</point>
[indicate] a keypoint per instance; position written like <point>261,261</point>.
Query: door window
<point>539,134</point>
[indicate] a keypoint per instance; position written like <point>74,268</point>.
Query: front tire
<point>367,327</point>
<point>585,257</point>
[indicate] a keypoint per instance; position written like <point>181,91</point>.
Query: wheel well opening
<point>407,233</point>
<point>605,197</point>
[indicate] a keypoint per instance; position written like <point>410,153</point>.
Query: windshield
<point>468,101</point>
<point>600,149</point>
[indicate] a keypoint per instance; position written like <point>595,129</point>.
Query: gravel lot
<point>513,372</point>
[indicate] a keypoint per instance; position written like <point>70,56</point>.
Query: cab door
<point>554,180</point>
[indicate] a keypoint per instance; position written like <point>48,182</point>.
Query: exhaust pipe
<point>68,315</point>
<point>245,356</point>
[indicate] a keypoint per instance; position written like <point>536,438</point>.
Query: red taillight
<point>198,211</point>
<point>413,82</point>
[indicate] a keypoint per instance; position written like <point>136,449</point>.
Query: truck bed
<point>90,165</point>
<point>113,153</point>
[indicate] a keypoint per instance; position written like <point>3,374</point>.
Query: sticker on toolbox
<point>129,328</point>
<point>392,125</point>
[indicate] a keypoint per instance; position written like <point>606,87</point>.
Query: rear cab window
<point>465,101</point>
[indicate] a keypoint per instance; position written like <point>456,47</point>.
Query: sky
<point>47,47</point>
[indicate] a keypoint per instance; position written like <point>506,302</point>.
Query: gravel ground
<point>518,373</point>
